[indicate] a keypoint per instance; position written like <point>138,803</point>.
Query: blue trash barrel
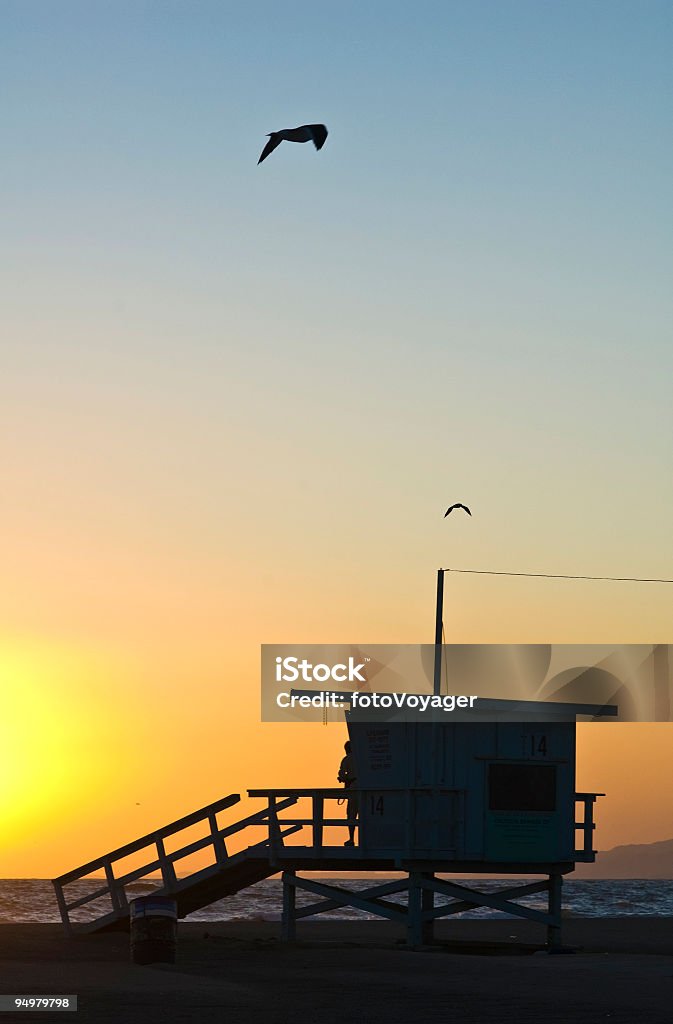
<point>154,928</point>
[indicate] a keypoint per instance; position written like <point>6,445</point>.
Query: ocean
<point>33,900</point>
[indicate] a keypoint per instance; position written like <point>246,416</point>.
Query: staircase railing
<point>159,860</point>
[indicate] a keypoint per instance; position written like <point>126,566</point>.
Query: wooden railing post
<point>63,907</point>
<point>112,886</point>
<point>167,869</point>
<point>275,838</point>
<point>589,823</point>
<point>318,819</point>
<point>219,845</point>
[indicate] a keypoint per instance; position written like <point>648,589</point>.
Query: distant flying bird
<point>315,133</point>
<point>457,505</point>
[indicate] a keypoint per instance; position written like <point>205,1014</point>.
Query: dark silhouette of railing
<point>228,873</point>
<point>586,825</point>
<point>160,860</point>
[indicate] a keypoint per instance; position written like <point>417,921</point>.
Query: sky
<point>235,400</point>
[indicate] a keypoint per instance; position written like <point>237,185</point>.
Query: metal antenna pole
<point>439,619</point>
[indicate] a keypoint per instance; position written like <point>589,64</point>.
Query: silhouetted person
<point>348,775</point>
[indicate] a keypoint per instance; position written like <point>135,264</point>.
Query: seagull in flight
<point>457,505</point>
<point>315,133</point>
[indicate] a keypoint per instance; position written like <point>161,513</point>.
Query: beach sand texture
<point>352,972</point>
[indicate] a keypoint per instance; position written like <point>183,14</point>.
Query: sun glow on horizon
<point>48,765</point>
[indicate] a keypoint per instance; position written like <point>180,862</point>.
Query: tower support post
<point>289,919</point>
<point>554,907</point>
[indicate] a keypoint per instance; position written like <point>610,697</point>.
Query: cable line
<point>560,576</point>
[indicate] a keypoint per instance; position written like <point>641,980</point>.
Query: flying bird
<point>457,505</point>
<point>315,133</point>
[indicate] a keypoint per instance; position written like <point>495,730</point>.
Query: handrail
<point>162,860</point>
<point>162,833</point>
<point>332,793</point>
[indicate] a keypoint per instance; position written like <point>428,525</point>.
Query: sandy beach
<point>491,971</point>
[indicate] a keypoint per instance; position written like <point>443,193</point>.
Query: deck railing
<point>414,821</point>
<point>317,821</point>
<point>586,826</point>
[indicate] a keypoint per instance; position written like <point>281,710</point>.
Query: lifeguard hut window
<point>521,787</point>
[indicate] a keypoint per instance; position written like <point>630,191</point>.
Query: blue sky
<point>464,295</point>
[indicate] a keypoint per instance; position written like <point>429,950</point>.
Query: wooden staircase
<point>227,874</point>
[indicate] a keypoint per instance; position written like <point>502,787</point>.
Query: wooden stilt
<point>554,906</point>
<point>415,911</point>
<point>289,920</point>
<point>427,907</point>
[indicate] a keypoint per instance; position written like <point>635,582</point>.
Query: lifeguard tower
<point>488,798</point>
<point>484,794</point>
<point>479,798</point>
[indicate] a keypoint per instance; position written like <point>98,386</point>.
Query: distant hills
<point>639,860</point>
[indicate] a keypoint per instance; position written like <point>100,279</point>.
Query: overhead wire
<point>561,576</point>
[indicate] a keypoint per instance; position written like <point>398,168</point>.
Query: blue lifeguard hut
<point>487,798</point>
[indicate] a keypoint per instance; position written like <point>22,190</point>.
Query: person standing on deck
<point>348,775</point>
